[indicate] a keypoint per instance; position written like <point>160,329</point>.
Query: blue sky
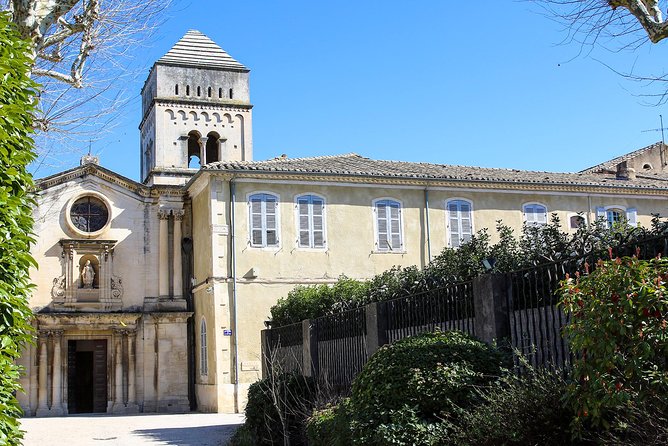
<point>432,81</point>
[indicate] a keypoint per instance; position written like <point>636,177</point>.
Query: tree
<point>17,103</point>
<point>80,52</point>
<point>615,25</point>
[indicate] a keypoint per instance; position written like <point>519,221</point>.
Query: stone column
<point>178,274</point>
<point>132,397</point>
<point>202,149</point>
<point>163,215</point>
<point>57,381</point>
<point>42,404</point>
<point>118,372</point>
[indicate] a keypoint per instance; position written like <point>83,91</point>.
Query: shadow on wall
<point>190,436</point>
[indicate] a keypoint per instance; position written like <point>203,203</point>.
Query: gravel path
<point>193,429</point>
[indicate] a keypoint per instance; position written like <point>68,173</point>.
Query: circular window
<point>89,214</point>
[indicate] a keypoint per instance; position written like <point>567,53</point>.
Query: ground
<point>193,429</point>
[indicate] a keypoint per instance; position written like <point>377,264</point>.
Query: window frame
<point>264,244</point>
<point>570,215</point>
<point>84,194</point>
<point>448,232</point>
<point>534,223</point>
<point>628,213</point>
<point>310,229</point>
<point>203,348</point>
<point>376,233</point>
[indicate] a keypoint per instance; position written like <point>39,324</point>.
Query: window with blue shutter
<point>460,222</point>
<point>388,225</point>
<point>311,221</point>
<point>263,209</point>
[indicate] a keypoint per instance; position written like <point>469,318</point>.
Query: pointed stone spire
<point>196,49</point>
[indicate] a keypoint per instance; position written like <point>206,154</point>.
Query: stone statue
<point>87,275</point>
<point>58,288</point>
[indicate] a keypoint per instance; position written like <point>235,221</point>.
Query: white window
<point>617,214</point>
<point>263,220</point>
<point>535,214</point>
<point>311,221</point>
<point>460,222</point>
<point>388,225</point>
<point>203,357</point>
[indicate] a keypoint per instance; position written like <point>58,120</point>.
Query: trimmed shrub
<point>524,410</point>
<point>278,407</point>
<point>423,380</point>
<point>619,332</point>
<point>330,426</point>
<point>17,102</point>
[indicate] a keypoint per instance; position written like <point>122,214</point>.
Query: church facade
<point>151,295</point>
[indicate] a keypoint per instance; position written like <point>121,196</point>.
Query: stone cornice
<point>489,185</point>
<point>111,177</point>
<point>223,106</point>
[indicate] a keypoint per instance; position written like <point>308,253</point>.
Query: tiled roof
<point>355,165</point>
<point>611,165</point>
<point>196,49</point>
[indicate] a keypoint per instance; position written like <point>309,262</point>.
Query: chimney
<point>624,172</point>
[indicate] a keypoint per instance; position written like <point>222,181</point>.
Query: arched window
<point>203,352</point>
<point>176,89</point>
<point>194,150</point>
<point>187,90</point>
<point>459,222</point>
<point>231,94</point>
<point>208,92</point>
<point>388,225</point>
<point>535,214</point>
<point>311,221</point>
<point>617,215</point>
<point>212,148</point>
<point>220,93</point>
<point>263,217</point>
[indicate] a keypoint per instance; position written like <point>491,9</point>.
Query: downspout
<point>426,206</point>
<point>233,259</point>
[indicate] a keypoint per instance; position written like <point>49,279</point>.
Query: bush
<point>17,101</point>
<point>277,408</point>
<point>330,426</point>
<point>619,332</point>
<point>418,383</point>
<point>524,410</point>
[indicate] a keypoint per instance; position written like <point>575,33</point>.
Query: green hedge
<point>535,244</point>
<point>17,102</point>
<point>419,385</point>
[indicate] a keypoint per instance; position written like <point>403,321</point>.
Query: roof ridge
<point>283,160</point>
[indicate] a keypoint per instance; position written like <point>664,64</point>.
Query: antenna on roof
<point>660,129</point>
<point>89,143</point>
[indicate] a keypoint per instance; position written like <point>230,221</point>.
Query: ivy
<point>17,104</point>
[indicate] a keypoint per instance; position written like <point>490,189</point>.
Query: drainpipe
<point>426,205</point>
<point>235,331</point>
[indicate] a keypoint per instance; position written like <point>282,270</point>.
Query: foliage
<point>419,383</point>
<point>535,244</point>
<point>619,332</point>
<point>243,437</point>
<point>520,410</point>
<point>330,426</point>
<point>278,407</point>
<point>17,101</point>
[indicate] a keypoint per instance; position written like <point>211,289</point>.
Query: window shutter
<point>256,220</point>
<point>270,221</point>
<point>304,236</point>
<point>631,216</point>
<point>318,207</point>
<point>394,240</point>
<point>600,212</point>
<point>466,226</point>
<point>381,215</point>
<point>453,211</point>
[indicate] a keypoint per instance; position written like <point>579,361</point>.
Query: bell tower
<point>196,110</point>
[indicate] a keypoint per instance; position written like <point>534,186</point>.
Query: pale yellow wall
<point>201,227</point>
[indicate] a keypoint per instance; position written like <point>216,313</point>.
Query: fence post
<point>309,349</point>
<point>264,342</point>
<point>376,326</point>
<point>490,302</point>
